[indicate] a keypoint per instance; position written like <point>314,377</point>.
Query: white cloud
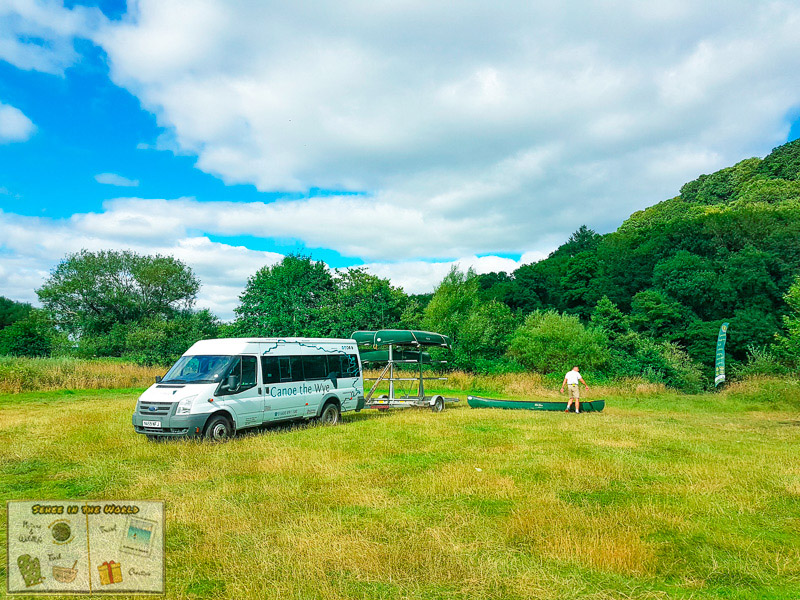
<point>14,125</point>
<point>38,35</point>
<point>504,124</point>
<point>32,246</point>
<point>114,179</point>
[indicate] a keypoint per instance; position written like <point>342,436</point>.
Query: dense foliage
<point>12,311</point>
<point>644,301</point>
<point>92,292</point>
<point>726,249</point>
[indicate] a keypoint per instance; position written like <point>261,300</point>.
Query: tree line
<point>646,300</point>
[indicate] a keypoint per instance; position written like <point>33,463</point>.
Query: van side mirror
<point>233,382</point>
<point>158,378</point>
<point>334,380</point>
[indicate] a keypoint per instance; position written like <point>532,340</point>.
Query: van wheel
<point>438,404</point>
<point>330,414</point>
<point>218,428</point>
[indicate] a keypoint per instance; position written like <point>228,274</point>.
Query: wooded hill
<point>726,249</point>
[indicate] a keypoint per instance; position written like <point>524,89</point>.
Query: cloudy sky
<point>402,135</point>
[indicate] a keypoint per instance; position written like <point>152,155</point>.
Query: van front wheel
<point>218,429</point>
<point>330,414</point>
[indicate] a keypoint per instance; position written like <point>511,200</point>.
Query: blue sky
<point>404,138</point>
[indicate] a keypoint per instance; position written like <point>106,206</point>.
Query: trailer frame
<point>435,402</point>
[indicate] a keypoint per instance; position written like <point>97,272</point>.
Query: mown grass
<point>660,496</point>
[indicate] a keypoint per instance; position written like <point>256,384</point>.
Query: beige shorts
<point>574,392</point>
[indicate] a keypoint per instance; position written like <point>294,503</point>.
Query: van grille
<point>160,409</point>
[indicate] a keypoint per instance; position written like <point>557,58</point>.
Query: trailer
<point>397,347</point>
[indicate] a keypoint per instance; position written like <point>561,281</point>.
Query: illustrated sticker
<point>61,531</point>
<point>139,536</point>
<point>91,547</point>
<point>30,569</point>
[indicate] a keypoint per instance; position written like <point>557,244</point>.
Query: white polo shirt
<point>572,377</point>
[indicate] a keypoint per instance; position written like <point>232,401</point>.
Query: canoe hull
<point>586,406</point>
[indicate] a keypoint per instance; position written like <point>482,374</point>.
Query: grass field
<point>660,496</point>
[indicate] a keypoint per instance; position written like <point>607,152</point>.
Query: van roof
<point>237,345</point>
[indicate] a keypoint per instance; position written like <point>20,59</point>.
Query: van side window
<point>335,365</point>
<point>350,366</point>
<point>249,372</point>
<point>270,370</point>
<point>284,369</point>
<point>297,368</point>
<point>315,367</point>
<point>245,368</point>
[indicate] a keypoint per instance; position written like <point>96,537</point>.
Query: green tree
<point>162,341</point>
<point>89,292</point>
<point>716,188</point>
<point>788,344</point>
<point>692,281</point>
<point>33,335</point>
<point>362,301</point>
<point>480,329</point>
<point>286,299</point>
<point>783,162</point>
<point>550,342</point>
<point>484,336</point>
<point>657,315</point>
<point>12,311</point>
<point>452,302</point>
<point>579,292</point>
<point>608,317</point>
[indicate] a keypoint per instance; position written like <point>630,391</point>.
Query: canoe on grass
<point>586,406</point>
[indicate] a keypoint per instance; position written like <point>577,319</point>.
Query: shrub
<point>33,335</point>
<point>161,342</point>
<point>635,355</point>
<point>760,361</point>
<point>551,342</point>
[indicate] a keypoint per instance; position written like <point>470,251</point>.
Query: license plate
<point>156,424</point>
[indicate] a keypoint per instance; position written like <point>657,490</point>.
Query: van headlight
<point>185,405</point>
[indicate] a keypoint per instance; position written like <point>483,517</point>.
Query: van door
<point>284,393</point>
<point>317,372</point>
<point>246,400</point>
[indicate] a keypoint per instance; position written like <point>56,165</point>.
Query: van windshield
<point>198,369</point>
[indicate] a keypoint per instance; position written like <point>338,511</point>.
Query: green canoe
<point>586,406</point>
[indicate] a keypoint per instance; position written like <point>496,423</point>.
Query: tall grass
<point>44,374</point>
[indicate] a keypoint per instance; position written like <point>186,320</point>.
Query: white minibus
<point>221,386</point>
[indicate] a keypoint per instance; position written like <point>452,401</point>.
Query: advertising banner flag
<point>719,371</point>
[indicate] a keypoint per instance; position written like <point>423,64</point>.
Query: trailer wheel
<point>219,428</point>
<point>330,414</point>
<point>438,404</point>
